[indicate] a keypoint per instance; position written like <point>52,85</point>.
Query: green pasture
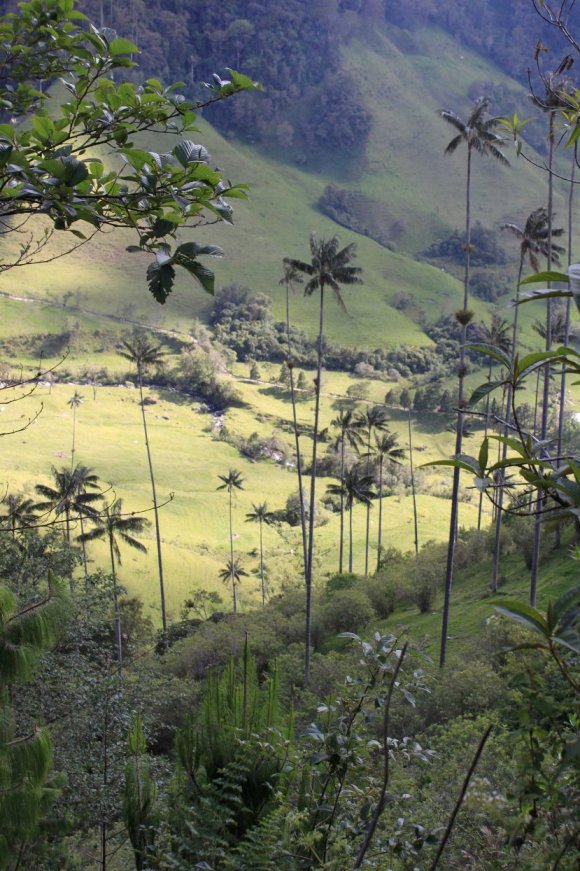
<point>188,460</point>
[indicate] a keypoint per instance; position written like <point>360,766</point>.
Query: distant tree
<point>478,134</point>
<point>349,433</point>
<point>144,354</point>
<point>74,402</point>
<point>385,450</point>
<point>19,512</point>
<point>232,481</point>
<point>535,240</point>
<point>371,419</point>
<point>356,486</point>
<point>233,572</point>
<point>329,267</point>
<point>255,373</point>
<point>261,515</point>
<point>117,527</point>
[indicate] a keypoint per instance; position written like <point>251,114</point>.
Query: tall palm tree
<point>356,486</point>
<point>233,572</point>
<point>65,497</point>
<point>261,515</point>
<point>536,240</point>
<point>554,100</point>
<point>495,334</point>
<point>291,278</point>
<point>478,134</point>
<point>385,450</point>
<point>329,267</point>
<point>144,354</point>
<point>232,481</point>
<point>348,426</point>
<point>373,418</point>
<point>74,402</point>
<point>117,527</point>
<point>562,402</point>
<point>20,512</point>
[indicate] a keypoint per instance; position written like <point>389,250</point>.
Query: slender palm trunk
<point>72,453</point>
<point>480,506</point>
<point>341,543</point>
<point>562,400</point>
<point>262,567</point>
<point>380,536</point>
<point>546,393</point>
<point>155,509</point>
<point>453,521</point>
<point>415,521</point>
<point>296,439</point>
<point>309,564</point>
<point>118,631</point>
<point>350,539</point>
<point>508,404</point>
<point>84,547</point>
<point>233,576</point>
<point>368,527</point>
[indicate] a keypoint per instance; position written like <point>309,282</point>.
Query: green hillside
<point>402,176</point>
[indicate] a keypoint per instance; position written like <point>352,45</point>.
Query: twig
<point>461,798</point>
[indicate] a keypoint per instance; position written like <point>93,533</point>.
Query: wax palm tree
<point>372,419</point>
<point>144,354</point>
<point>232,481</point>
<point>348,426</point>
<point>356,486</point>
<point>385,450</point>
<point>289,280</point>
<point>329,267</point>
<point>262,516</point>
<point>65,497</point>
<point>496,334</point>
<point>117,527</point>
<point>478,134</point>
<point>20,512</point>
<point>554,100</point>
<point>536,241</point>
<point>74,402</point>
<point>233,573</point>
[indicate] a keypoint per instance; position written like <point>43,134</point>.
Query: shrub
<point>382,594</point>
<point>348,610</point>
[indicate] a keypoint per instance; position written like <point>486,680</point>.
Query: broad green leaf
<point>567,601</point>
<point>160,279</point>
<point>484,390</point>
<point>192,250</point>
<point>187,152</point>
<point>469,465</point>
<point>204,275</point>
<point>122,46</point>
<point>493,352</point>
<point>543,277</point>
<point>483,454</point>
<point>524,614</point>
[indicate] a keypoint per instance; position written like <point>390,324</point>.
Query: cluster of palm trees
<point>234,571</point>
<point>363,480</point>
<point>76,501</point>
<point>537,238</point>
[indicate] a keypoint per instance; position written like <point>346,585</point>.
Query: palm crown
<point>118,526</point>
<point>141,351</point>
<point>329,266</point>
<point>477,132</point>
<point>534,238</point>
<point>232,481</point>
